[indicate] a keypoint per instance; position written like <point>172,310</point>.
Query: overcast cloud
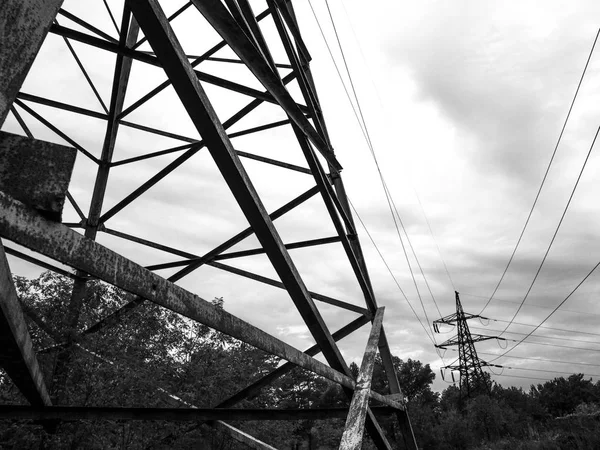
<point>464,102</point>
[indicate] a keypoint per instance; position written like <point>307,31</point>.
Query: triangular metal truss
<point>31,201</point>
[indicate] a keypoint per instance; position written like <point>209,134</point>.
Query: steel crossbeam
<point>242,32</point>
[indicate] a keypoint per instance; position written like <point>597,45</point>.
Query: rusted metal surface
<point>71,413</point>
<point>241,31</point>
<point>354,429</point>
<point>35,172</point>
<point>25,227</point>
<point>22,225</point>
<point>17,357</point>
<point>23,27</point>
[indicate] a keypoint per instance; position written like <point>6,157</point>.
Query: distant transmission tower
<point>473,382</point>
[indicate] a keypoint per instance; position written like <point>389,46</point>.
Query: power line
<point>549,328</point>
<point>391,273</point>
<point>557,229</point>
<point>531,305</point>
<point>544,180</point>
<point>544,337</point>
<point>364,129</point>
<point>545,360</point>
<point>553,311</point>
<point>414,189</point>
<point>389,199</point>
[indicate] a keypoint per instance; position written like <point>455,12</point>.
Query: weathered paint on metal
<point>36,172</point>
<point>23,226</point>
<point>355,423</point>
<point>17,357</point>
<point>23,27</point>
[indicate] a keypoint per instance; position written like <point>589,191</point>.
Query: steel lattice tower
<point>472,381</point>
<point>99,158</point>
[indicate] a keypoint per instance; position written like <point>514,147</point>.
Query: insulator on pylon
<point>453,380</point>
<point>442,373</point>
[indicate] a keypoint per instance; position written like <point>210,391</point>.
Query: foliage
<point>154,357</point>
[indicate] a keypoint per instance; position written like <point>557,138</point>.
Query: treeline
<point>156,358</point>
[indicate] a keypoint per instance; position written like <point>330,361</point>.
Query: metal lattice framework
<point>472,379</point>
<point>31,201</point>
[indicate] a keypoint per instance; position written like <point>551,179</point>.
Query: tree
<point>561,396</point>
<point>153,357</point>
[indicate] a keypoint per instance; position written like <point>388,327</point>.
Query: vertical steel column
<point>128,38</point>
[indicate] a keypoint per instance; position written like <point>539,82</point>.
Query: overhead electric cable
<point>390,271</point>
<point>357,40</point>
<point>549,315</point>
<point>587,313</point>
<point>555,233</point>
<point>384,185</point>
<point>545,175</point>
<point>539,336</point>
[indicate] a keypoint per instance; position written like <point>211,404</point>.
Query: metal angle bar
<point>302,83</point>
<point>85,74</point>
<point>56,130</point>
<point>76,413</point>
<point>180,160</point>
<point>112,18</point>
<point>255,31</point>
<point>122,311</point>
<point>38,262</point>
<point>279,284</point>
<point>28,228</point>
<point>259,128</point>
<point>237,61</point>
<point>198,60</point>
<point>243,437</point>
<point>159,132</point>
<point>21,121</point>
<point>167,151</point>
<point>86,25</point>
<point>287,367</point>
<point>274,162</point>
<point>60,105</point>
<point>293,27</point>
<point>75,206</point>
<point>148,243</point>
<point>221,20</point>
<point>17,356</point>
<point>354,428</point>
<point>171,17</point>
<point>194,264</point>
<point>290,246</point>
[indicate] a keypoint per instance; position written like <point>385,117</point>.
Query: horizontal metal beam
<point>273,162</point>
<point>75,413</point>
<point>280,285</point>
<point>287,367</point>
<point>290,246</point>
<point>26,227</point>
<point>61,105</point>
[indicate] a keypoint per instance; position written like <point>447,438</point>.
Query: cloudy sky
<point>464,103</point>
